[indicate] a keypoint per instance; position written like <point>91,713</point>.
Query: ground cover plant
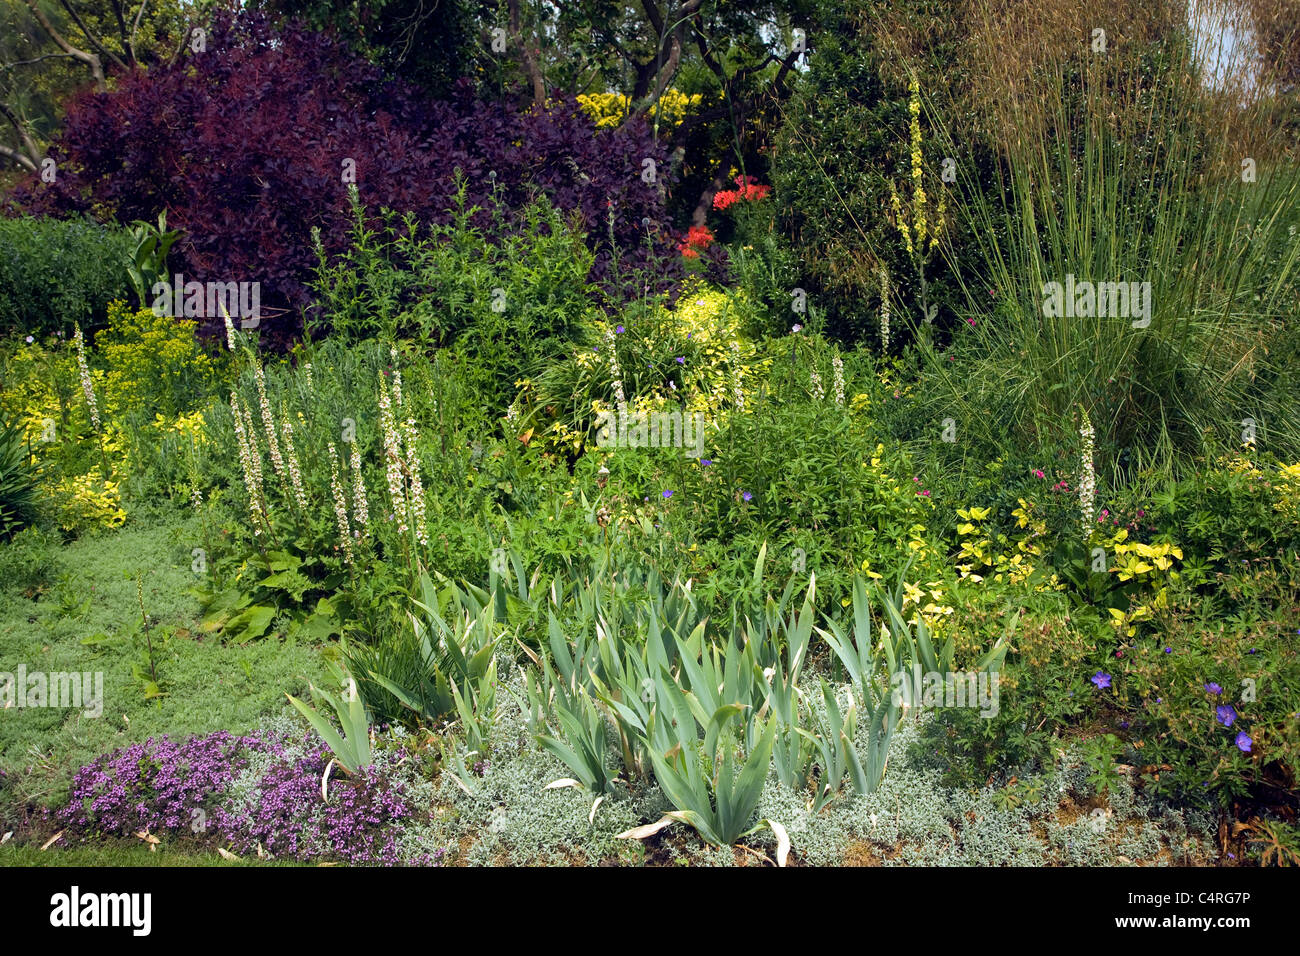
<point>840,451</point>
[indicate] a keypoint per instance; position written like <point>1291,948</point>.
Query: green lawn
<point>120,854</point>
<point>206,685</point>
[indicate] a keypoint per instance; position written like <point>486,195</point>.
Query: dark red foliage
<point>244,146</point>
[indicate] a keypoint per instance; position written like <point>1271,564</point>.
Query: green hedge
<point>56,272</point>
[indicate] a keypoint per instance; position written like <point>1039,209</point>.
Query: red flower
<point>749,191</point>
<point>725,199</point>
<point>697,238</point>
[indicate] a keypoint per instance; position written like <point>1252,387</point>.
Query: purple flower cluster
<point>163,786</point>
<point>156,785</point>
<point>360,822</point>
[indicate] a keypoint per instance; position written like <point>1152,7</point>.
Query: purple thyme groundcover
<point>184,787</point>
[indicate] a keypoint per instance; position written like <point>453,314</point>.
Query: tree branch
<point>121,22</point>
<point>665,72</point>
<point>90,59</point>
<point>654,16</point>
<point>94,40</point>
<point>18,158</point>
<point>135,29</point>
<point>32,151</point>
<point>47,56</point>
<point>527,55</point>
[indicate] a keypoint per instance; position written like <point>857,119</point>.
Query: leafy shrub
<point>1207,702</point>
<point>690,355</point>
<point>609,110</point>
<point>767,271</point>
<point>841,146</point>
<point>804,472</point>
<point>1234,511</point>
<point>1043,689</point>
<point>81,465</point>
<point>149,378</point>
<point>57,272</point>
<point>508,302</point>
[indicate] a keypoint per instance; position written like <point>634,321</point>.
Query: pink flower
<point>1038,473</point>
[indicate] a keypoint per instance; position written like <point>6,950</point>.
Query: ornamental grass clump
<point>1177,254</point>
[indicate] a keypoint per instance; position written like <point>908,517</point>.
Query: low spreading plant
<point>267,793</point>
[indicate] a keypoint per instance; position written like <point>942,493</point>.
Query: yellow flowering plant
<point>609,110</point>
<point>911,217</point>
<point>996,556</point>
<point>152,362</point>
<point>1288,493</point>
<point>691,357</point>
<point>108,412</point>
<point>1135,576</point>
